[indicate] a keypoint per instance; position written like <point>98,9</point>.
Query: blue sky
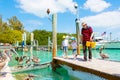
<point>102,15</point>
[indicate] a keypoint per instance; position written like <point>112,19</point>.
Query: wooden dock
<point>104,68</point>
<point>7,74</point>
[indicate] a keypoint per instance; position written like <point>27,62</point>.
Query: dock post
<point>32,38</point>
<point>77,20</point>
<point>54,37</point>
<point>49,42</point>
<point>31,47</point>
<point>78,35</point>
<point>25,38</point>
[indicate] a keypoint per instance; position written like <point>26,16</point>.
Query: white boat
<point>107,44</point>
<point>112,45</point>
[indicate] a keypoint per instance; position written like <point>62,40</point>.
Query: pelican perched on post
<point>103,55</point>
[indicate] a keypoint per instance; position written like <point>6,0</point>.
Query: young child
<point>74,47</point>
<point>65,44</point>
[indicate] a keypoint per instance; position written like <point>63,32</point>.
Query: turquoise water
<point>63,73</point>
<point>114,54</point>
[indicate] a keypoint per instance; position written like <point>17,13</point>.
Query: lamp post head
<point>77,20</point>
<point>75,5</point>
<point>48,11</point>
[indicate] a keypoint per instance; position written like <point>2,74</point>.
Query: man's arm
<point>91,37</point>
<point>92,34</point>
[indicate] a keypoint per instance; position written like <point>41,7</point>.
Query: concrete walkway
<point>103,68</point>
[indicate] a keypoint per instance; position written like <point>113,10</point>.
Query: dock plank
<point>104,68</point>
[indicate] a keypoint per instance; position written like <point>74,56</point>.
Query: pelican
<point>13,50</point>
<point>103,55</point>
<point>5,58</point>
<point>28,61</point>
<point>35,59</point>
<point>30,77</point>
<point>20,59</point>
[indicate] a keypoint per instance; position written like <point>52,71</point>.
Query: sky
<point>101,15</point>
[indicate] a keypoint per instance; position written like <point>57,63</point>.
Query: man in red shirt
<point>87,35</point>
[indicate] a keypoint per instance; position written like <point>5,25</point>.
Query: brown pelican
<point>2,60</point>
<point>28,61</point>
<point>20,59</point>
<point>35,59</point>
<point>103,55</point>
<point>30,77</point>
<point>5,58</point>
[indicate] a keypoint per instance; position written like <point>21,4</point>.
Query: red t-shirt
<point>86,33</point>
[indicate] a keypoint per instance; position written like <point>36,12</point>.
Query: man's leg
<point>90,52</point>
<point>85,51</point>
<point>66,51</point>
<point>75,53</point>
<point>63,51</point>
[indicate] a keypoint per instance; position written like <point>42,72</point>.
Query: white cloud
<point>96,5</point>
<point>104,20</point>
<point>39,7</point>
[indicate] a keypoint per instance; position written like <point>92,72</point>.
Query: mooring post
<point>54,39</point>
<point>25,38</point>
<point>32,39</point>
<point>54,36</point>
<point>78,35</point>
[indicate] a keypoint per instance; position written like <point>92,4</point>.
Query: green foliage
<point>42,36</point>
<point>10,36</point>
<point>12,31</point>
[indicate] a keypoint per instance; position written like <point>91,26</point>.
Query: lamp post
<point>77,21</point>
<point>31,48</point>
<point>54,34</point>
